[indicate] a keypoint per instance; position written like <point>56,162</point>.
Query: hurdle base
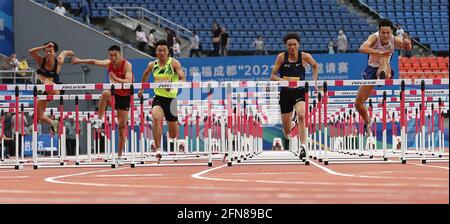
<point>424,161</point>
<point>35,167</point>
<point>210,164</point>
<point>62,163</point>
<point>229,163</point>
<point>320,160</point>
<point>403,161</point>
<point>325,163</point>
<point>133,165</point>
<point>306,163</point>
<point>18,167</point>
<point>77,163</point>
<point>113,166</point>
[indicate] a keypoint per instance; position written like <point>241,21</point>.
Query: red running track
<point>260,184</point>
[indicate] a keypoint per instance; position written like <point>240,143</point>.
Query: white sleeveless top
<point>374,60</point>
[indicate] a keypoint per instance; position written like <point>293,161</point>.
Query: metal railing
<point>143,13</point>
<point>14,76</point>
<point>429,50</point>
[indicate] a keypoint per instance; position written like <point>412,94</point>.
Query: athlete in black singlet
<point>48,73</point>
<point>290,66</point>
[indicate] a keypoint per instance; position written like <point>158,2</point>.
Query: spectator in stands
<point>405,53</point>
<point>13,126</point>
<point>224,42</point>
<point>23,66</point>
<point>195,45</point>
<point>11,64</point>
<point>60,9</point>
<point>85,11</point>
<point>259,46</point>
<point>170,40</point>
<point>177,48</point>
<point>331,47</point>
<point>71,132</point>
<point>342,42</point>
<point>9,141</point>
<point>151,42</point>
<point>141,38</point>
<point>216,31</point>
<point>399,33</point>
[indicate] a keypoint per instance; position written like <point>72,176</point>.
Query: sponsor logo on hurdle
<point>73,87</point>
<point>364,82</point>
<point>348,93</point>
<point>271,84</point>
<point>164,85</point>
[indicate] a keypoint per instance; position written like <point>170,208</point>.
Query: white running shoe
<point>368,129</point>
<point>97,123</point>
<point>158,156</point>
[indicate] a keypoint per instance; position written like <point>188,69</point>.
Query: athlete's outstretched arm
<point>102,63</point>
<point>315,68</point>
<point>62,56</point>
<point>177,68</point>
<point>366,47</point>
<point>34,52</point>
<point>274,75</point>
<point>145,76</point>
<point>404,43</point>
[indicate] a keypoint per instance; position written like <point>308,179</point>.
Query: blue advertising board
<point>331,67</point>
<point>44,144</point>
<point>6,27</point>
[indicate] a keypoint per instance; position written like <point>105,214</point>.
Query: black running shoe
<point>382,75</point>
<point>302,152</point>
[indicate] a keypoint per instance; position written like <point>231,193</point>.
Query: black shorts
<point>289,97</point>
<point>122,102</point>
<point>169,106</point>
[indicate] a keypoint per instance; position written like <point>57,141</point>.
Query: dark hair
<point>194,32</point>
<point>291,36</point>
<point>385,22</point>
<point>152,30</point>
<point>114,48</point>
<point>55,45</point>
<point>161,43</point>
<point>138,28</point>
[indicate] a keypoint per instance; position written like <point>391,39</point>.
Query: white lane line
<point>376,177</point>
<point>331,171</point>
<point>256,173</point>
<point>56,181</point>
<point>426,165</point>
<point>15,177</point>
<point>200,176</point>
<point>131,175</point>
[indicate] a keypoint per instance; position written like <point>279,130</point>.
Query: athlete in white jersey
<point>380,46</point>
